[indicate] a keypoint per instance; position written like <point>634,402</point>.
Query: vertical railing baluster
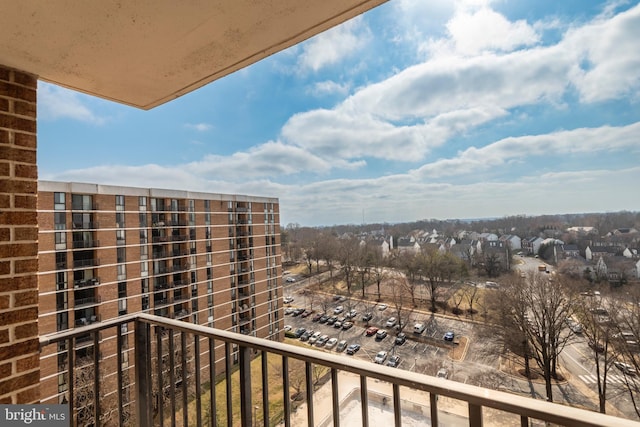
<point>119,376</point>
<point>143,377</point>
<point>524,421</point>
<point>71,378</point>
<point>308,370</point>
<point>212,383</point>
<point>286,392</point>
<point>160,363</point>
<point>196,351</point>
<point>172,378</point>
<point>96,376</point>
<point>475,415</point>
<point>228,361</point>
<point>433,407</point>
<point>265,389</point>
<point>245,387</point>
<point>397,408</point>
<point>183,348</point>
<point>335,397</point>
<point>364,401</point>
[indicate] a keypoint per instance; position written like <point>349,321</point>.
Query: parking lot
<point>426,352</point>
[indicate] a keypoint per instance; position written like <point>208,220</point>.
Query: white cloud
<point>329,87</point>
<point>554,145</point>
<point>199,127</point>
<point>332,46</point>
<point>608,58</point>
<point>55,102</point>
<point>488,31</point>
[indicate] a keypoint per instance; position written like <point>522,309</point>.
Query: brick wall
<point>19,357</point>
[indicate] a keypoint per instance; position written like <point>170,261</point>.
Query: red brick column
<point>19,355</point>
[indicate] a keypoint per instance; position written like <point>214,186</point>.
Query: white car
<point>291,279</point>
<point>391,322</point>
<point>288,299</point>
<point>339,309</point>
<point>313,338</point>
<point>380,357</point>
<point>442,373</point>
<point>331,342</point>
<point>382,307</point>
<point>287,328</point>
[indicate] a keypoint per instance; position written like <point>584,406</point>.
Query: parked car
<point>306,336</point>
<point>307,313</point>
<point>324,318</point>
<point>353,349</point>
<point>381,334</point>
<point>298,311</point>
<point>442,373</point>
<point>299,332</point>
<point>339,309</point>
<point>367,316</point>
<point>322,341</point>
<point>382,307</point>
<point>313,338</point>
<point>332,320</point>
<point>351,314</point>
<point>288,299</point>
<point>393,361</point>
<point>331,342</point>
<point>338,324</point>
<point>626,368</point>
<point>341,346</point>
<point>371,330</point>
<point>289,310</point>
<point>419,328</point>
<point>380,357</point>
<point>317,317</point>
<point>401,338</point>
<point>291,279</point>
<point>287,328</point>
<point>347,325</point>
<point>448,336</point>
<point>391,322</point>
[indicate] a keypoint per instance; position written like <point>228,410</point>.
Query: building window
<point>61,260</point>
<point>81,202</point>
<point>59,201</point>
<point>60,221</point>
<point>61,301</point>
<point>143,219</point>
<point>120,237</point>
<point>61,240</point>
<point>62,321</point>
<point>145,302</point>
<point>144,268</point>
<point>122,272</point>
<point>144,252</point>
<point>120,219</point>
<point>121,255</point>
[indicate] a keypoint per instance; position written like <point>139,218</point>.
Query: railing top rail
<point>532,408</point>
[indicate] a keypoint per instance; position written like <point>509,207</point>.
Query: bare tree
<point>438,269</point>
<point>399,301</point>
<point>471,295</point>
<point>599,329</point>
<point>348,256</point>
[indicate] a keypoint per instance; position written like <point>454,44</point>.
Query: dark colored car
<point>393,361</point>
<point>401,338</point>
<point>353,349</point>
<point>306,336</point>
<point>448,336</point>
<point>298,311</point>
<point>323,318</point>
<point>316,317</point>
<point>367,316</point>
<point>299,332</point>
<point>332,320</point>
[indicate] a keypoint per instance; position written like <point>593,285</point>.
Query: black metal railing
<point>167,384</point>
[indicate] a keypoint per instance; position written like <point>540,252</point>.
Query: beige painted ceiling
<point>147,52</point>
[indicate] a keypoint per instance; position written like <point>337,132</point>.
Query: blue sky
<point>417,109</point>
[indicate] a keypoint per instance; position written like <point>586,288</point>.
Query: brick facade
<point>202,257</point>
<point>19,346</point>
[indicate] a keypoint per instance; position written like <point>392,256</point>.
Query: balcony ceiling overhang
<point>146,52</point>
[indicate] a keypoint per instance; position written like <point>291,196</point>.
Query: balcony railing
<point>160,363</point>
<point>90,262</point>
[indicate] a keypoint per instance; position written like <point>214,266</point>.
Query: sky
<point>414,110</point>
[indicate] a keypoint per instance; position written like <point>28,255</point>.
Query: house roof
<point>144,53</point>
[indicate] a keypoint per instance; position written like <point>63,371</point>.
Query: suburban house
<point>514,242</point>
<point>531,245</point>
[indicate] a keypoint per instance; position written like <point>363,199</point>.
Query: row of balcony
<point>157,362</point>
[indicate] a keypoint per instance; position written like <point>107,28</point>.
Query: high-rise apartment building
<point>107,251</point>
